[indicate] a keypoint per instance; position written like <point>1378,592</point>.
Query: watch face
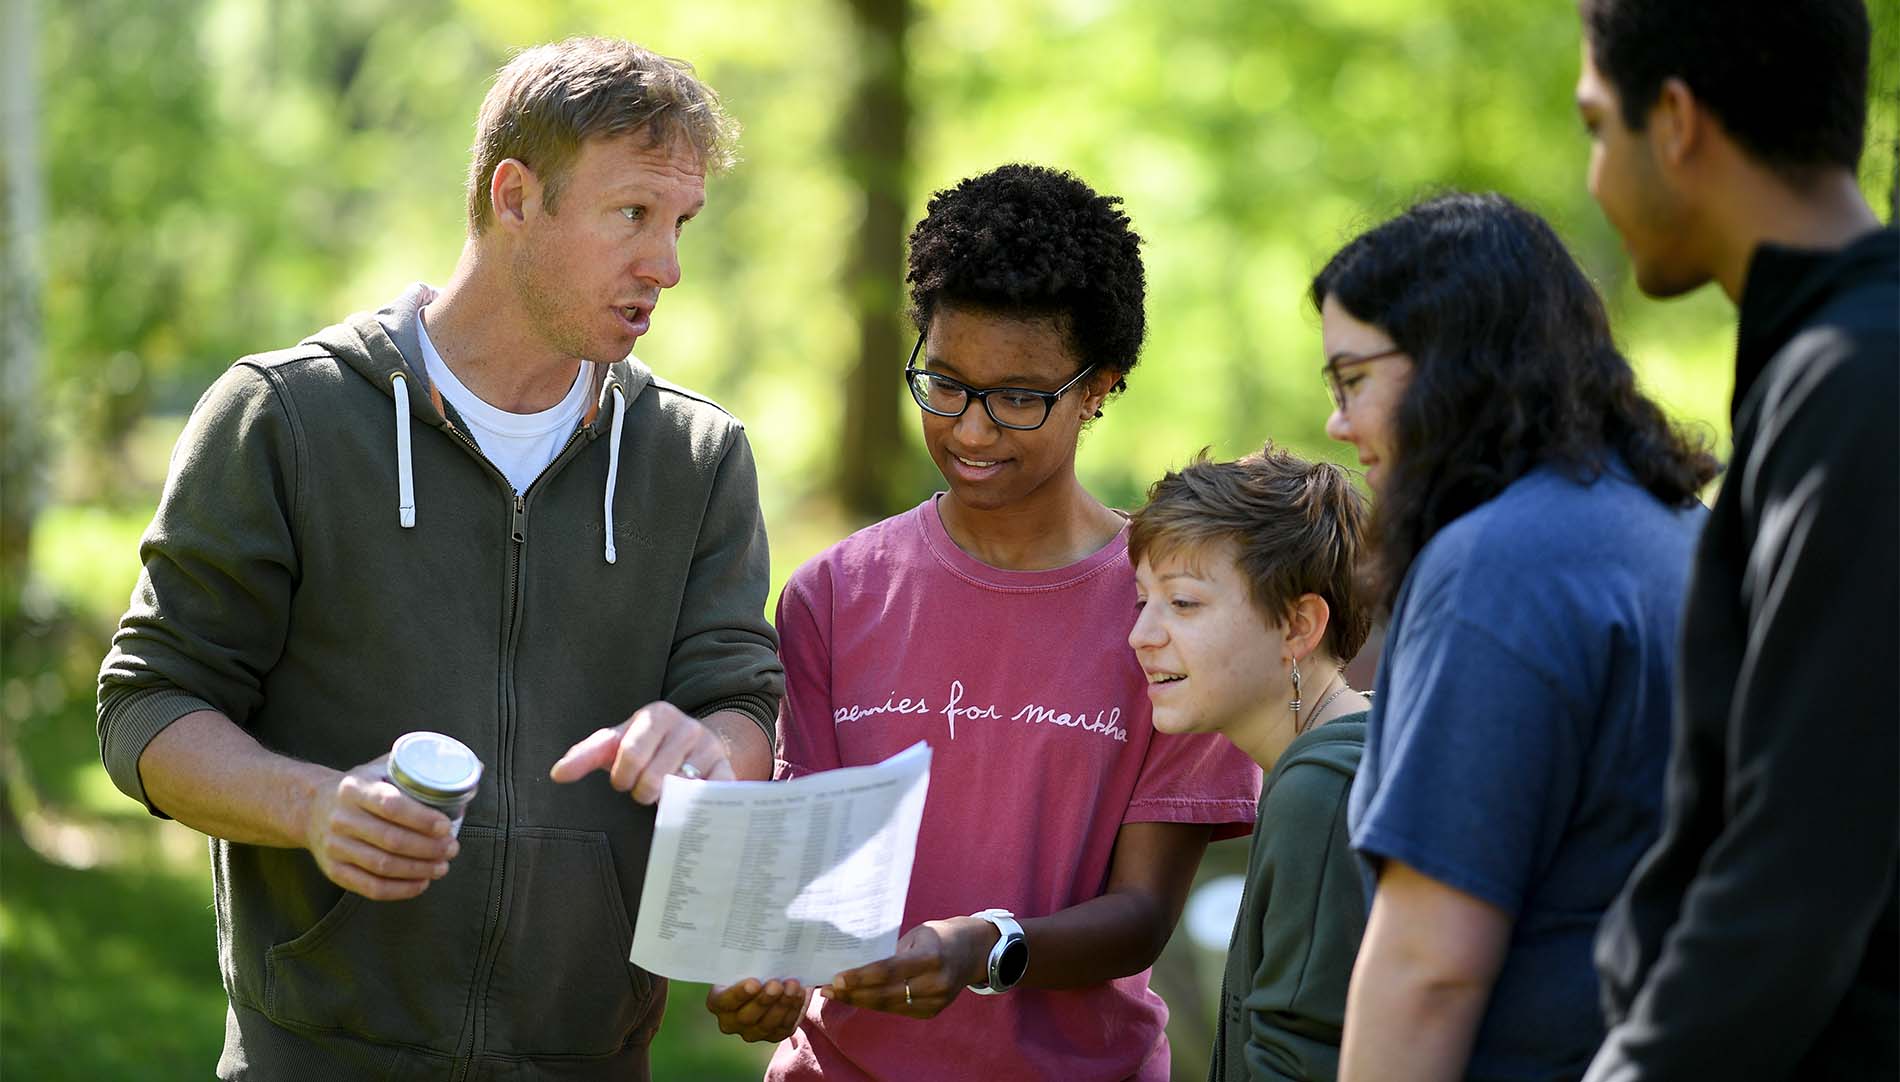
<point>1010,967</point>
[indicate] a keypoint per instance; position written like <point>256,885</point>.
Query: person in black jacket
<point>1757,938</point>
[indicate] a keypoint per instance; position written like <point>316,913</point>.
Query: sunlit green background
<point>217,177</point>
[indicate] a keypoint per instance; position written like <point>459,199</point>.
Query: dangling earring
<point>1295,704</point>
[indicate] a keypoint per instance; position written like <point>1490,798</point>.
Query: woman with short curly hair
<point>1061,833</point>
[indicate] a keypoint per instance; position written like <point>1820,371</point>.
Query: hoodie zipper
<point>474,1025</point>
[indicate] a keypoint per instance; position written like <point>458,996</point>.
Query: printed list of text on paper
<point>795,879</point>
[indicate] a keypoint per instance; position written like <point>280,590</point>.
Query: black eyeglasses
<point>1020,408</point>
<point>1335,384</point>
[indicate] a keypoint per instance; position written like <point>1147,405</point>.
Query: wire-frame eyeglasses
<point>1336,384</point>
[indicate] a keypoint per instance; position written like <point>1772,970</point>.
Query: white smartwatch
<point>1009,959</point>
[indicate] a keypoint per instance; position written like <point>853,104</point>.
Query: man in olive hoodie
<point>472,512</point>
<point>1757,938</point>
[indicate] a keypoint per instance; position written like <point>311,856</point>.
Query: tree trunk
<point>1884,81</point>
<point>1893,193</point>
<point>20,443</point>
<point>876,146</point>
<point>25,214</point>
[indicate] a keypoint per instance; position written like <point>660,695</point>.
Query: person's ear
<point>513,190</point>
<point>1097,388</point>
<point>1306,624</point>
<point>1678,124</point>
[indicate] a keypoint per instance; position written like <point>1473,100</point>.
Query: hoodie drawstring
<point>405,475</point>
<point>613,462</point>
<point>405,472</point>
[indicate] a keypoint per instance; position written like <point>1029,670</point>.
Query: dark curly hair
<point>1024,240</point>
<point>1513,368</point>
<point>1788,80</point>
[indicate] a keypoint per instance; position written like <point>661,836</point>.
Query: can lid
<point>434,765</point>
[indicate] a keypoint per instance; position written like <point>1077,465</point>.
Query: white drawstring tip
<point>613,466</point>
<point>405,474</point>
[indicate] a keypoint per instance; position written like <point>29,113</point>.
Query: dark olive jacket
<point>334,563</point>
<point>1302,914</point>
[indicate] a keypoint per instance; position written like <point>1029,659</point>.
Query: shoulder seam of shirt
<point>799,597</point>
<point>1511,650</point>
<point>281,399</point>
<point>664,386</point>
<point>303,351</point>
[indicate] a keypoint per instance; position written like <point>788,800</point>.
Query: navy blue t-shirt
<point>1517,744</point>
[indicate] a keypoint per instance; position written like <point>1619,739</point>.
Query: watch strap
<point>1009,932</point>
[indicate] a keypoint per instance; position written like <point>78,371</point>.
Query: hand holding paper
<point>933,964</point>
<point>758,1010</point>
<point>798,879</point>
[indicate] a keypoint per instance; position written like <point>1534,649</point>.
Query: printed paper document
<point>793,879</point>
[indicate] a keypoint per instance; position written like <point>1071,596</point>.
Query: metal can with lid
<point>436,770</point>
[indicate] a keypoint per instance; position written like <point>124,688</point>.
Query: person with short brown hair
<point>473,511</point>
<point>1295,527</point>
<point>1248,609</point>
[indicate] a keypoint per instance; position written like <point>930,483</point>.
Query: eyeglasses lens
<point>1010,409</point>
<point>1016,410</point>
<point>937,396</point>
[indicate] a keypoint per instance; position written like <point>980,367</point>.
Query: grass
<point>107,973</point>
<point>111,971</point>
<point>89,558</point>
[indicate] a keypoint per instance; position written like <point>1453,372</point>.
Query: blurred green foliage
<point>224,176</point>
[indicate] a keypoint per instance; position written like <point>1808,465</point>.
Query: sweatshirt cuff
<point>128,724</point>
<point>762,709</point>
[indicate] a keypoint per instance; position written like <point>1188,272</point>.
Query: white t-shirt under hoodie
<point>520,445</point>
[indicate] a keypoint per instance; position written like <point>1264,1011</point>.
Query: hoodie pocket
<point>395,972</point>
<point>562,982</point>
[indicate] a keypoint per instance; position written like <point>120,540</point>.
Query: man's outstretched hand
<point>640,752</point>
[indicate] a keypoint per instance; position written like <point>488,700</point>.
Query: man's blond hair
<point>551,99</point>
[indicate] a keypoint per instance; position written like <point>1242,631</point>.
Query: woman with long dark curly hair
<point>1061,832</point>
<point>1535,521</point>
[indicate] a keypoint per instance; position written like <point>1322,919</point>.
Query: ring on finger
<point>690,772</point>
<point>906,993</point>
